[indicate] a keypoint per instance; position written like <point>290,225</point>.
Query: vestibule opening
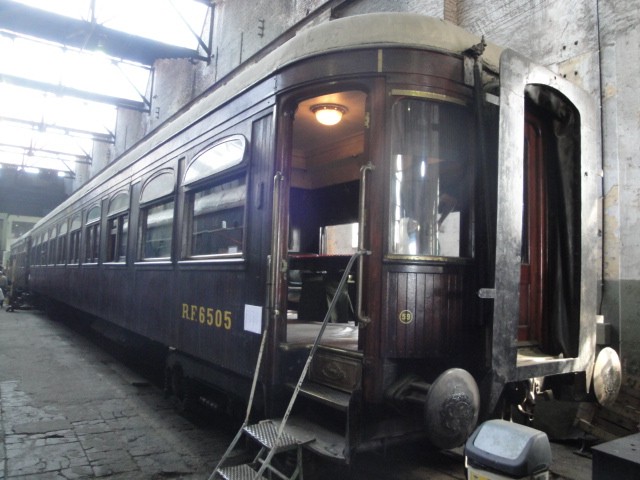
<point>323,219</point>
<point>551,248</point>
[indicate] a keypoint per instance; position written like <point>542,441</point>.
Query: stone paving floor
<point>70,410</point>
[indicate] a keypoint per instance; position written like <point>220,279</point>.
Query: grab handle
<point>363,319</point>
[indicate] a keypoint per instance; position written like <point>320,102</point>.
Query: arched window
<point>62,243</point>
<point>74,239</point>
<point>218,158</point>
<point>156,216</point>
<point>53,246</point>
<point>216,199</point>
<point>118,227</point>
<point>92,235</point>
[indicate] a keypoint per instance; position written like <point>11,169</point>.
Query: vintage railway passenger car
<point>465,179</point>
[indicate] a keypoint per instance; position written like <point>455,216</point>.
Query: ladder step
<point>238,472</point>
<point>266,433</point>
<point>325,395</point>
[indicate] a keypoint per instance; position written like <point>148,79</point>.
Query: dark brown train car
<point>464,177</point>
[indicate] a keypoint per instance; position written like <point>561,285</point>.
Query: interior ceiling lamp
<point>328,113</point>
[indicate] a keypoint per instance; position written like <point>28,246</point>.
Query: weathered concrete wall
<point>620,46</point>
<point>593,43</point>
<point>555,33</point>
<point>433,8</point>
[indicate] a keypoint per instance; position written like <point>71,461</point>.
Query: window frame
<point>92,236</point>
<point>75,240</point>
<point>61,254</point>
<point>118,215</point>
<point>465,234</point>
<point>146,204</point>
<point>52,247</point>
<point>231,172</point>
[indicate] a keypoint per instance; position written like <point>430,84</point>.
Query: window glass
<point>429,179</point>
<point>43,252</point>
<point>119,203</point>
<point>92,243</point>
<point>118,234</point>
<point>93,215</point>
<point>216,159</point>
<point>92,236</point>
<point>60,254</point>
<point>158,187</point>
<point>62,249</point>
<point>75,222</point>
<point>156,230</point>
<point>74,246</point>
<point>52,250</point>
<point>217,216</point>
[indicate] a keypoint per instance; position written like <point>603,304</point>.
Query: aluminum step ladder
<point>265,433</point>
<point>271,436</point>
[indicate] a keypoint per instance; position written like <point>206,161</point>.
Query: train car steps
<point>270,436</point>
<point>265,433</point>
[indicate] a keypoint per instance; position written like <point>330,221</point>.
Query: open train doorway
<point>323,216</point>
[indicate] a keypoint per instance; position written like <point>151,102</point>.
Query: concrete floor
<point>69,409</point>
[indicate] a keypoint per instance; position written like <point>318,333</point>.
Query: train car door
<point>533,271</point>
<point>546,265</point>
<point>321,194</point>
<point>317,228</point>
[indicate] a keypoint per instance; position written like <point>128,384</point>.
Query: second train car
<point>466,179</point>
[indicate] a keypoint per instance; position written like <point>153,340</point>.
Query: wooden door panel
<point>424,311</point>
<point>534,239</point>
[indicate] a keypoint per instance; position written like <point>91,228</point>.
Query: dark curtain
<point>562,166</point>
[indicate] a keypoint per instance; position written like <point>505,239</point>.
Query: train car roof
<point>375,30</point>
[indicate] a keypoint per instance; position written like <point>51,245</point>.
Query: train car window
<point>215,211</point>
<point>156,230</point>
<point>53,246</point>
<point>119,203</point>
<point>156,217</point>
<point>74,240</point>
<point>62,244</point>
<point>118,233</point>
<point>75,223</point>
<point>92,236</point>
<point>216,159</point>
<point>43,249</point>
<point>159,186</point>
<point>431,171</point>
<point>217,219</point>
<point>35,249</point>
<point>118,228</point>
<point>93,215</point>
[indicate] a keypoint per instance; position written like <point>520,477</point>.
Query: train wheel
<point>452,408</point>
<point>607,376</point>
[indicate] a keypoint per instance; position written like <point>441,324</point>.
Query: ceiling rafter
<point>126,51</point>
<point>86,35</point>
<point>61,129</point>
<point>62,90</point>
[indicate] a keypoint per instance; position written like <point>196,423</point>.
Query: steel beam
<point>87,35</point>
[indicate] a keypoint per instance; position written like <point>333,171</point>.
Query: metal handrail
<point>363,320</point>
<point>276,255</point>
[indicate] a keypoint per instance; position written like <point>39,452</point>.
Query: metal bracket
<point>487,293</point>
